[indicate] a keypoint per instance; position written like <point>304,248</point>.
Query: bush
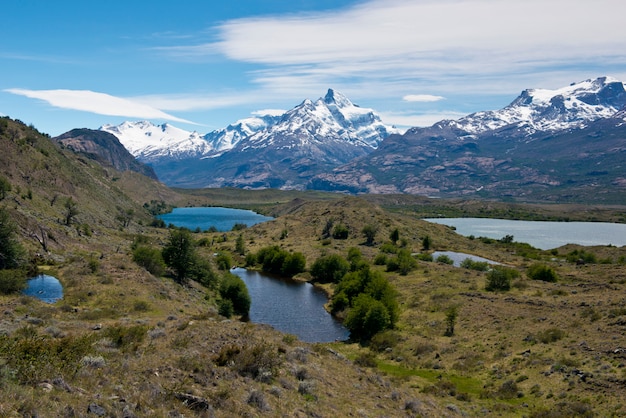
<point>32,358</point>
<point>12,281</point>
<point>499,278</point>
<point>470,264</point>
<point>340,231</point>
<point>150,259</point>
<point>234,289</point>
<point>403,262</point>
<point>541,272</point>
<point>223,261</point>
<point>11,252</point>
<point>329,269</point>
<point>550,335</point>
<point>445,259</point>
<point>278,261</point>
<point>127,338</point>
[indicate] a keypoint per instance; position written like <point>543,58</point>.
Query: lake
<point>45,288</point>
<point>206,217</point>
<point>291,307</point>
<point>540,234</point>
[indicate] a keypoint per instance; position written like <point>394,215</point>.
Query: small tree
<point>5,187</point>
<point>394,236</point>
<point>427,242</point>
<point>451,315</point>
<point>71,210</point>
<point>369,231</point>
<point>11,252</point>
<point>179,254</point>
<point>240,245</point>
<point>499,278</point>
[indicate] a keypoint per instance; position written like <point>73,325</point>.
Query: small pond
<point>45,288</point>
<point>206,217</point>
<point>458,258</point>
<point>291,307</point>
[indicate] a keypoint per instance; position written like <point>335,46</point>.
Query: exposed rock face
<point>105,148</point>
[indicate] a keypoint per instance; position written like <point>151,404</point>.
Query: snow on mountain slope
<point>149,142</point>
<point>535,110</point>
<point>333,117</point>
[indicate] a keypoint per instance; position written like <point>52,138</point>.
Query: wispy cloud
<point>270,112</point>
<point>459,44</point>
<point>407,120</point>
<point>423,98</point>
<point>95,102</point>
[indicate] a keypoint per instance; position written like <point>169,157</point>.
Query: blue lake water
<point>44,287</point>
<point>540,234</point>
<point>292,307</point>
<point>205,217</point>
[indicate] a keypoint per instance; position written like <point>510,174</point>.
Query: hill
<point>124,342</point>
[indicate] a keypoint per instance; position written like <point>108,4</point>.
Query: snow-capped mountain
<point>564,144</point>
<point>326,133</point>
<point>536,110</point>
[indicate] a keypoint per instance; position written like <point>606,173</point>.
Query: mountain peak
<point>336,98</point>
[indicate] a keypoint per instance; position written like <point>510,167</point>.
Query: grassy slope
<point>497,339</point>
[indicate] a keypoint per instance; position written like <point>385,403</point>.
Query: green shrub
<point>550,335</point>
<point>329,269</point>
<point>380,259</point>
<point>278,261</point>
<point>499,278</point>
<point>12,281</point>
<point>424,257</point>
<point>581,257</point>
<point>234,290</point>
<point>223,261</point>
<point>443,258</point>
<point>127,338</point>
<point>541,272</point>
<point>150,259</point>
<point>403,262</point>
<point>470,264</point>
<point>32,358</point>
<point>340,231</point>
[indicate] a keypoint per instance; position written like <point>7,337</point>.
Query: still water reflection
<point>45,288</point>
<point>291,307</point>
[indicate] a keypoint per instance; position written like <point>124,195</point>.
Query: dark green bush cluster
<point>12,281</point>
<point>235,297</point>
<point>403,262</point>
<point>12,257</point>
<point>180,256</point>
<point>278,261</point>
<point>499,278</point>
<point>542,272</point>
<point>340,231</point>
<point>369,301</point>
<point>149,258</point>
<point>330,268</point>
<point>445,259</point>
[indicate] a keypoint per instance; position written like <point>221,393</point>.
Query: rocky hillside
<point>104,148</point>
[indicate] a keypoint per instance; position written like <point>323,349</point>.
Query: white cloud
<point>95,102</point>
<point>406,120</point>
<point>424,98</point>
<point>270,112</point>
<point>470,45</point>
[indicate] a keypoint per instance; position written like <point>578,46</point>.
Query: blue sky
<point>201,65</point>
